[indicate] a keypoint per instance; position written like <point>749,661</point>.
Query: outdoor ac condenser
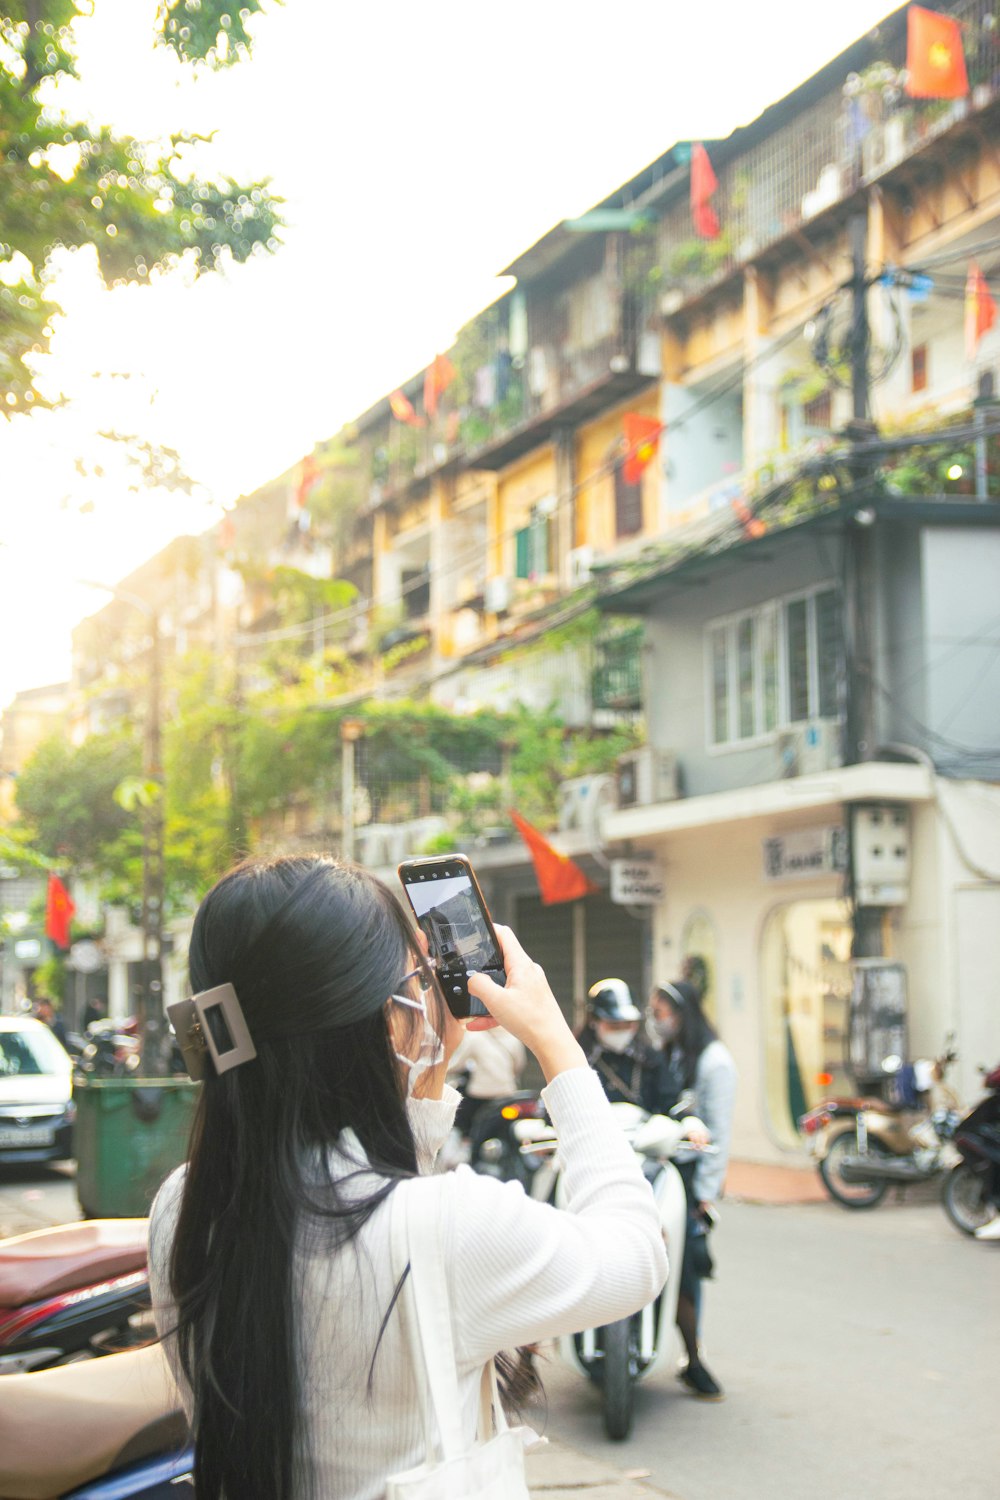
<point>647,775</point>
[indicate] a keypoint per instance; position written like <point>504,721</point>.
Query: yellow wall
<point>596,448</point>
<point>519,488</point>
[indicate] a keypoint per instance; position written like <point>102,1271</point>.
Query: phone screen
<point>450,911</point>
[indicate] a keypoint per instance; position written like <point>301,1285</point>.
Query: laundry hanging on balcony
<point>980,310</point>
<point>703,184</point>
<point>935,61</point>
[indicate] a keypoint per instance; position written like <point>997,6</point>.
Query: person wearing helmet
<point>613,1042</point>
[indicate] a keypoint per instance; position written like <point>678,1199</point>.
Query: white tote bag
<point>493,1468</point>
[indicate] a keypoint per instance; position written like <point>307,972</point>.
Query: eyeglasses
<point>425,983</point>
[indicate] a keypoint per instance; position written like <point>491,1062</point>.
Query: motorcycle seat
<point>60,1428</point>
<point>48,1261</point>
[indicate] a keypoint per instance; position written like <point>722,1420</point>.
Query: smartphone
<point>449,907</point>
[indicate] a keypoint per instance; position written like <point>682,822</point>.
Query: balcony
<point>616,683</point>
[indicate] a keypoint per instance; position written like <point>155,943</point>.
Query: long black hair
<point>314,948</point>
<point>694,1031</point>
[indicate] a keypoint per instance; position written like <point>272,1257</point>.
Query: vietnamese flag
<point>642,437</point>
<point>403,410</point>
<point>437,378</point>
<point>935,60</point>
<point>59,911</point>
<point>703,184</point>
<point>559,877</point>
<point>308,475</point>
<point>980,310</point>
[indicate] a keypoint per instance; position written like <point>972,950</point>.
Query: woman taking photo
<point>270,1251</point>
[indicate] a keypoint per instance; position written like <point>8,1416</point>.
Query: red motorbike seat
<point>48,1261</point>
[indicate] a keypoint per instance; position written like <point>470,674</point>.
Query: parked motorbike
<point>106,1430</point>
<point>494,1148</point>
<point>72,1292</point>
<point>864,1145</point>
<point>620,1354</point>
<point>971,1192</point>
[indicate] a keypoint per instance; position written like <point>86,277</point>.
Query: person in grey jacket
<point>691,1059</point>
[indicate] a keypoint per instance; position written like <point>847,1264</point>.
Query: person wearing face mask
<point>273,1281</point>
<point>690,1059</point>
<point>613,1042</point>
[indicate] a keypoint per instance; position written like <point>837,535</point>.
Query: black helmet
<point>611,1000</point>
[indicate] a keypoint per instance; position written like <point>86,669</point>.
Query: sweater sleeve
<point>525,1270</point>
<point>715,1092</point>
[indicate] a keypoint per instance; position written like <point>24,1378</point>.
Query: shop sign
<point>805,853</point>
<point>636,882</point>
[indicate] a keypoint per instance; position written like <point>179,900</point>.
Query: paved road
<point>858,1353</point>
<point>859,1356</point>
<point>34,1197</point>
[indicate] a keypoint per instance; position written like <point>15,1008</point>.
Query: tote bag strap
<point>426,1290</point>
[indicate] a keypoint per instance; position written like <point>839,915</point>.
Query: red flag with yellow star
<point>437,378</point>
<point>642,437</point>
<point>935,60</point>
<point>559,877</point>
<point>703,184</point>
<point>404,411</point>
<point>59,912</point>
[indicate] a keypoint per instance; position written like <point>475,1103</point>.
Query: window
<point>817,414</point>
<point>918,368</point>
<point>531,545</point>
<point>628,505</point>
<point>776,665</point>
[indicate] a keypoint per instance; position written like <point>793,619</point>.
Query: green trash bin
<point>130,1134</point>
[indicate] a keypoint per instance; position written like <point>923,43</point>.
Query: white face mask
<point>661,1031</point>
<point>616,1041</point>
<point>430,1050</point>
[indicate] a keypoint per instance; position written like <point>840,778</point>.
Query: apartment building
<point>796,593</point>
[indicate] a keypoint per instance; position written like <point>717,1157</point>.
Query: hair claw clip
<point>212,1024</point>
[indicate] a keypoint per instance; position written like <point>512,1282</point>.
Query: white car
<point>36,1093</point>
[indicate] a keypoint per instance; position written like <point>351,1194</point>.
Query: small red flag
<point>559,877</point>
<point>980,310</point>
<point>59,911</point>
<point>403,410</point>
<point>308,475</point>
<point>703,184</point>
<point>935,61</point>
<point>437,378</point>
<point>642,437</point>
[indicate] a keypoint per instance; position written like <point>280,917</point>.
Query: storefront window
<point>805,993</point>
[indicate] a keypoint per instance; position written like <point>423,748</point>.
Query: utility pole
<point>859,566</point>
<point>150,1014</point>
<point>859,516</point>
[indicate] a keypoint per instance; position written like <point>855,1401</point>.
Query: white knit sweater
<point>520,1271</point>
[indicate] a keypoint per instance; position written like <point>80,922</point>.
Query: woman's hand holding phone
<point>527,1008</point>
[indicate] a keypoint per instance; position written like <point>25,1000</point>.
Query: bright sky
<point>419,148</point>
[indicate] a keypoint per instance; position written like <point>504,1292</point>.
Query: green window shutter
<point>522,552</point>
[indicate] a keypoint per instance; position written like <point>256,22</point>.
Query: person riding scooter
<point>613,1042</point>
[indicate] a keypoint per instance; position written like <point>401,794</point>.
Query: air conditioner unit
<point>647,775</point>
<point>497,595</point>
<point>810,748</point>
<point>579,564</point>
<point>580,800</point>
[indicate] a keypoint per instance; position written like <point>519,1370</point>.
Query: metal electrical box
<point>878,1022</point>
<point>880,854</point>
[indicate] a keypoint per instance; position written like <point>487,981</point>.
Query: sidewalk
<point>757,1182</point>
<point>558,1472</point>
